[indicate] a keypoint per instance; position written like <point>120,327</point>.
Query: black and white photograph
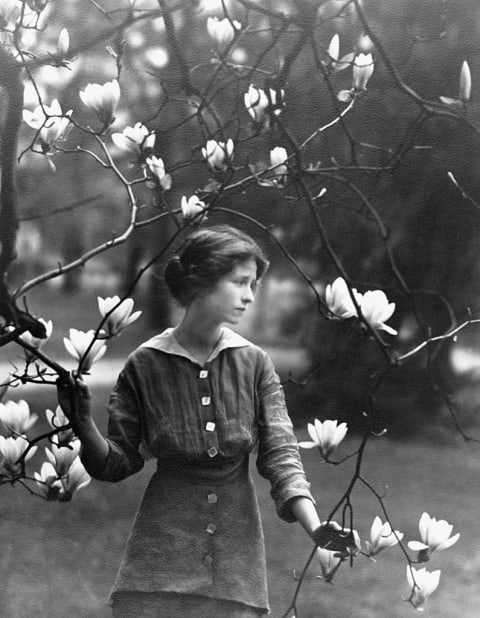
<point>239,308</point>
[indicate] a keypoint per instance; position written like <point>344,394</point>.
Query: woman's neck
<point>198,338</point>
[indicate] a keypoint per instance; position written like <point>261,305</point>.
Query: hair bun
<point>175,275</point>
<point>176,265</point>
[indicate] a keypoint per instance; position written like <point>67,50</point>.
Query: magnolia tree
<point>226,86</point>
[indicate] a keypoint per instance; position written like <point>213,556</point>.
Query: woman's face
<point>228,300</point>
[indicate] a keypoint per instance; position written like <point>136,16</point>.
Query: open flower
<point>329,562</point>
<point>218,154</point>
<point>257,101</point>
<point>12,449</point>
<point>119,313</point>
<point>362,71</point>
<point>133,140</point>
<point>192,206</point>
<point>339,300</point>
<point>222,31</point>
<point>10,11</point>
<point>102,99</point>
<point>422,583</point>
<point>51,123</point>
<point>335,62</point>
<point>382,536</point>
<point>156,167</point>
<point>36,342</point>
<point>56,420</point>
<point>76,478</point>
<point>83,347</point>
<point>48,481</point>
<point>61,457</point>
<point>377,310</point>
<point>16,416</point>
<point>435,535</point>
<point>325,436</point>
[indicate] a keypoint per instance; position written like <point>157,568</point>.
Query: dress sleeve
<point>278,455</point>
<point>124,433</point>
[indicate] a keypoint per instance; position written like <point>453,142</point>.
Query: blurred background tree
<point>390,213</point>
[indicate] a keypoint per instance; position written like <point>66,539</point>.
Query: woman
<point>200,398</point>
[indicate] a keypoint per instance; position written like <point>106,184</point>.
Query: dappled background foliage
<point>391,214</point>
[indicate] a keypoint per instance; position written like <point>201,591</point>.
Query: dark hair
<point>207,255</point>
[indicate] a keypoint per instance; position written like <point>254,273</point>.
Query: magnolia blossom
<point>76,478</point>
<point>12,449</point>
<point>63,43</point>
<point>329,562</point>
<point>222,31</point>
<point>276,173</point>
<point>278,159</point>
<point>134,139</point>
<point>10,11</point>
<point>382,536</point>
<point>374,305</point>
<point>377,310</point>
<point>48,481</point>
<point>102,99</point>
<point>325,436</point>
<point>61,457</point>
<point>16,416</point>
<point>257,101</point>
<point>422,583</point>
<point>37,342</point>
<point>339,299</point>
<point>118,313</point>
<point>56,420</point>
<point>362,71</point>
<point>335,62</point>
<point>50,122</point>
<point>218,154</point>
<point>156,167</point>
<point>83,347</point>
<point>435,535</point>
<point>192,206</point>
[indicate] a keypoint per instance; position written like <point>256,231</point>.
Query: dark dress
<point>197,531</point>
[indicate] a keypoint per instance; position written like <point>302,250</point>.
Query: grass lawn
<point>59,560</point>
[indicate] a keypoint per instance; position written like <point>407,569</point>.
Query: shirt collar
<point>166,342</point>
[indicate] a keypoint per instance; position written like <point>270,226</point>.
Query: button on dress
<point>197,530</point>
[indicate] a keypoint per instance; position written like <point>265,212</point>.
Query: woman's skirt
<point>175,605</point>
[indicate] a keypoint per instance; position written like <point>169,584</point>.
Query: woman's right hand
<point>74,398</point>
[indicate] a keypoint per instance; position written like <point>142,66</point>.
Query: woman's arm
<point>74,399</point>
<point>328,535</point>
<point>305,512</point>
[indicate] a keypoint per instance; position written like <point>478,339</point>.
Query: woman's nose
<point>248,295</point>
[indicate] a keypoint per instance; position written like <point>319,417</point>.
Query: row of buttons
<point>211,528</point>
<point>210,426</point>
<point>212,452</point>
